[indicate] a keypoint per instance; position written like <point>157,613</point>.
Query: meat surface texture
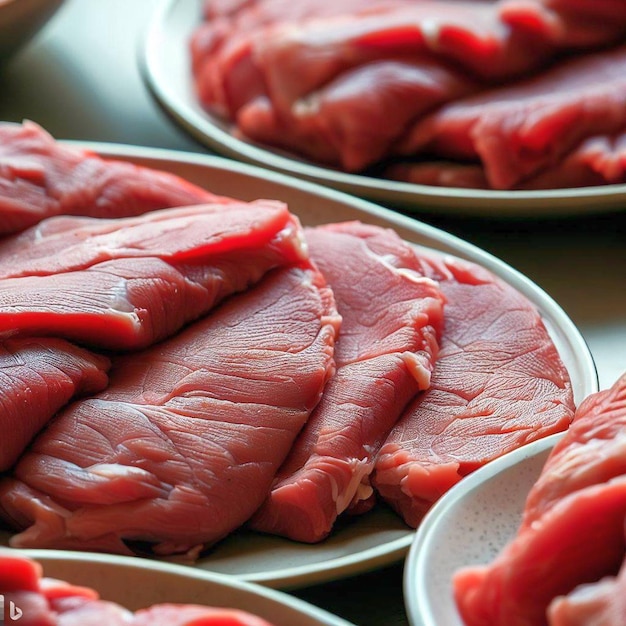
<point>601,603</point>
<point>40,178</point>
<point>517,131</point>
<point>598,160</point>
<point>318,83</point>
<point>344,83</point>
<point>498,383</point>
<point>39,376</point>
<point>391,317</point>
<point>181,448</point>
<point>127,283</point>
<point>572,530</point>
<point>49,602</point>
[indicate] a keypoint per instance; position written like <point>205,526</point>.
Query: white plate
<point>166,65</point>
<point>468,526</point>
<point>380,537</point>
<point>137,583</point>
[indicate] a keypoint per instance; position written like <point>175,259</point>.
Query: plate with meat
<point>57,587</point>
<point>246,372</point>
<point>493,109</point>
<point>536,537</point>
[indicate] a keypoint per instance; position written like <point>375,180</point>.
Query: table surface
<point>79,79</point>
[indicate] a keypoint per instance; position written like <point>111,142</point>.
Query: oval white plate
<point>138,583</point>
<point>468,526</point>
<point>165,65</point>
<point>380,537</point>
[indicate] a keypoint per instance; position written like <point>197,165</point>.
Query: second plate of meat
<point>563,163</point>
<point>216,445</point>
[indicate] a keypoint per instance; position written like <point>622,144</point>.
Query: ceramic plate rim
<point>322,616</point>
<point>214,133</point>
<point>387,553</point>
<point>416,599</point>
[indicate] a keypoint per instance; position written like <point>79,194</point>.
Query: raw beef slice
<point>517,131</point>
<point>49,602</point>
<point>601,603</point>
<point>498,383</point>
<point>317,85</point>
<point>391,317</point>
<point>599,160</point>
<point>38,377</point>
<point>572,530</point>
<point>181,448</point>
<point>126,283</point>
<point>40,178</point>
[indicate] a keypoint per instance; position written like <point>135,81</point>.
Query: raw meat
<point>290,75</point>
<point>572,531</point>
<point>181,448</point>
<point>343,83</point>
<point>517,131</point>
<point>391,316</point>
<point>602,603</point>
<point>347,121</point>
<point>40,178</point>
<point>599,160</point>
<point>39,376</point>
<point>580,540</point>
<point>48,602</point>
<point>593,452</point>
<point>126,283</point>
<point>577,24</point>
<point>498,383</point>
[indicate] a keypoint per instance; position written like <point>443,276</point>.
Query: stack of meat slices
<point>503,94</point>
<point>566,566</point>
<point>176,374</point>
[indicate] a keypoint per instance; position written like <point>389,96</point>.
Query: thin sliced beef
<point>126,283</point>
<point>40,178</point>
<point>579,540</point>
<point>518,131</point>
<point>599,160</point>
<point>182,447</point>
<point>49,602</point>
<point>39,376</point>
<point>226,23</point>
<point>572,531</point>
<point>391,316</point>
<point>350,115</point>
<point>18,573</point>
<point>498,383</point>
<point>438,174</point>
<point>578,24</point>
<point>601,603</point>
<point>593,452</point>
<point>326,81</point>
<point>291,75</point>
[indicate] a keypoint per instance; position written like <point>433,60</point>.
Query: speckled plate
<point>468,526</point>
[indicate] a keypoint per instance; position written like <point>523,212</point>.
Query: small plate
<point>138,583</point>
<point>468,526</point>
<point>166,69</point>
<point>380,537</point>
